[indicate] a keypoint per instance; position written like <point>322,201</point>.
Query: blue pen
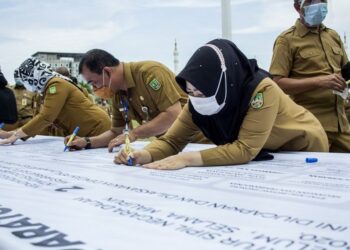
<point>2,125</point>
<point>311,160</point>
<point>75,132</point>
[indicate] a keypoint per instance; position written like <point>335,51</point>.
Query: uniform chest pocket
<point>305,54</point>
<point>310,61</point>
<point>336,58</point>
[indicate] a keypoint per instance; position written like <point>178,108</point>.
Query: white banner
<point>81,200</point>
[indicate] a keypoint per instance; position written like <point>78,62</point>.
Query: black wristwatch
<point>88,142</point>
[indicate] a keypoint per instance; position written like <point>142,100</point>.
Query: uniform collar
<point>302,30</point>
<point>128,77</point>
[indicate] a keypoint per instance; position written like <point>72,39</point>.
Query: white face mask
<point>209,105</point>
<point>315,14</point>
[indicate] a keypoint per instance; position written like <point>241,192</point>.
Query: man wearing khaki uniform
<point>142,92</point>
<point>306,64</point>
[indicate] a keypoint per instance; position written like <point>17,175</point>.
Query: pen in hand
<point>71,138</point>
<point>127,147</point>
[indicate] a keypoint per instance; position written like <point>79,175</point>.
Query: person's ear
<point>108,71</point>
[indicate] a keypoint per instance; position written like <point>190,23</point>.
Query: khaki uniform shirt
<point>25,103</point>
<point>301,52</point>
<point>279,124</point>
<point>66,106</point>
<point>151,89</point>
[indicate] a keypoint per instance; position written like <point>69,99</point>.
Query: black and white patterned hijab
<point>35,74</point>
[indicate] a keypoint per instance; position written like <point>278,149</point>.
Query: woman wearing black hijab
<point>8,109</point>
<point>238,107</point>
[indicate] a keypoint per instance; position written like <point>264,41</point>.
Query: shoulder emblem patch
<point>258,101</point>
<point>154,84</point>
<point>52,90</point>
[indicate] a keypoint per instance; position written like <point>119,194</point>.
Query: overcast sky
<point>134,30</point>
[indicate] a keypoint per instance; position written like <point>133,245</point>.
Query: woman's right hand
<point>77,144</point>
<point>139,157</point>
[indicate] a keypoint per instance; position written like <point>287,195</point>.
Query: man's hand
<point>77,144</point>
<point>334,82</point>
<point>120,139</point>
<point>139,157</point>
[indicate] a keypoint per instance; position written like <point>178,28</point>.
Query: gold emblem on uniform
<point>258,101</point>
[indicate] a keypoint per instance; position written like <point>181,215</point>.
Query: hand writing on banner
<point>77,144</point>
<point>144,158</point>
<point>140,157</point>
<point>119,140</point>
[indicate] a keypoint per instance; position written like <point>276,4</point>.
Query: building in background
<point>62,59</point>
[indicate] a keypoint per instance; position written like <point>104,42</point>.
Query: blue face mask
<point>315,14</point>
